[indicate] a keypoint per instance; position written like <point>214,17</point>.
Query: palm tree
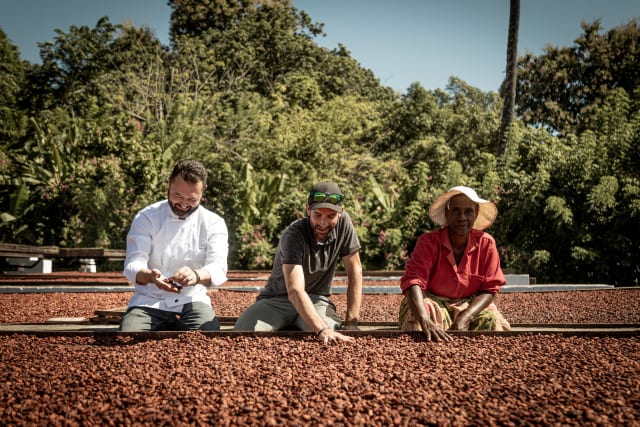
<point>511,76</point>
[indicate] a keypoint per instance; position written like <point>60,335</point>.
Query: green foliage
<point>71,67</point>
<point>602,196</point>
<point>254,250</point>
<point>561,88</point>
<point>557,212</point>
<point>12,74</point>
<point>89,137</point>
<point>101,199</point>
<point>260,195</point>
<point>540,258</point>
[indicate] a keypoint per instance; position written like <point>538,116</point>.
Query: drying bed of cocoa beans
<point>231,379</point>
<point>618,306</point>
<point>204,379</point>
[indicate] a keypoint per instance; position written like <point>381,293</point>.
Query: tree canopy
<point>89,137</point>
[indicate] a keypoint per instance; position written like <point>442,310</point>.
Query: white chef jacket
<point>159,239</point>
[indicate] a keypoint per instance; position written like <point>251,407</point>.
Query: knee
<point>211,325</point>
<point>134,321</point>
<point>244,324</point>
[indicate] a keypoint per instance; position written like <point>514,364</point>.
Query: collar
<point>472,243</point>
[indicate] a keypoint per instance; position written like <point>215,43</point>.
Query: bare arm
<point>416,303</point>
<point>188,276</point>
<point>479,303</point>
<point>294,280</point>
<point>353,266</point>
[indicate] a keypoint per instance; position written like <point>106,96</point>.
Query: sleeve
<point>420,265</point>
<point>493,277</point>
<point>138,246</point>
<point>351,241</point>
<point>217,253</point>
<point>291,246</point>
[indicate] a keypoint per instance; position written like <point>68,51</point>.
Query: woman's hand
<point>461,322</point>
<point>416,302</point>
<point>432,331</point>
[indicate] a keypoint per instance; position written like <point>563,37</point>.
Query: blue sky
<point>401,41</point>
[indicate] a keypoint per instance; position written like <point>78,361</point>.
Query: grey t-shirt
<point>318,260</point>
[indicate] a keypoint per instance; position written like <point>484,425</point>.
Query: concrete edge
<point>335,289</point>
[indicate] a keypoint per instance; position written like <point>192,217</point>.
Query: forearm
<point>354,289</point>
<point>304,306</point>
<point>477,304</point>
<point>432,330</point>
<point>354,300</point>
<point>212,274</point>
<point>416,302</point>
<point>353,266</point>
<point>203,277</point>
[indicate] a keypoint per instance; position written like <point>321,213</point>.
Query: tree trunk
<point>511,76</point>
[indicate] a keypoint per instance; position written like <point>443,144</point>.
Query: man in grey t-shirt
<point>297,292</point>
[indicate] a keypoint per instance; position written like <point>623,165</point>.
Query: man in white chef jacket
<point>176,250</point>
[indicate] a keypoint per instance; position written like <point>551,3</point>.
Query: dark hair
<point>191,171</point>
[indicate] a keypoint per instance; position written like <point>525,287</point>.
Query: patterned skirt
<point>444,312</point>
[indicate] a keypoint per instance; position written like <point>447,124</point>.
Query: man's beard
<point>182,213</point>
<point>321,236</point>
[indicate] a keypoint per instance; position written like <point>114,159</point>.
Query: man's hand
<point>156,277</point>
<point>330,336</point>
<point>164,283</point>
<point>168,285</point>
<point>185,276</point>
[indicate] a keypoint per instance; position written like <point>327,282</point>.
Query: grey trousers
<point>276,313</point>
<point>194,316</point>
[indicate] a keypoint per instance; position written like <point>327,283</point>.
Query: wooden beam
<point>14,250</point>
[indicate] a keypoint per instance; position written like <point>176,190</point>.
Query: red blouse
<point>433,267</point>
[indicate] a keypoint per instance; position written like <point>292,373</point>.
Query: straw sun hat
<point>486,215</point>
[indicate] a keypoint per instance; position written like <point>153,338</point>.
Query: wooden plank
<point>111,312</point>
<point>81,252</point>
<point>15,250</point>
<point>70,330</point>
<point>92,253</point>
<point>114,254</point>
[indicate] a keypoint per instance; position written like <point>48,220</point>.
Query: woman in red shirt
<point>454,272</point>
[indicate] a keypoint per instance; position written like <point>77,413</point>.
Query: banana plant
<point>261,193</point>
